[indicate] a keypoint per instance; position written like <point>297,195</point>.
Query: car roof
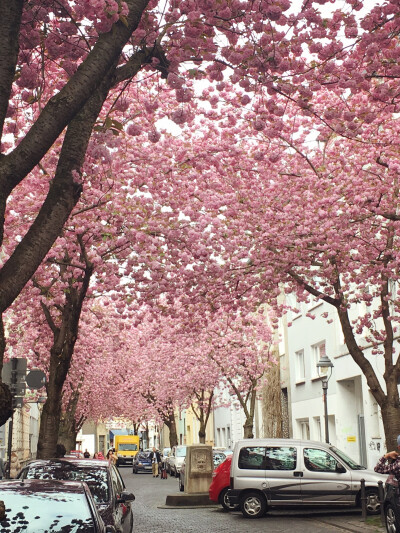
<point>282,442</point>
<point>83,463</point>
<point>41,485</point>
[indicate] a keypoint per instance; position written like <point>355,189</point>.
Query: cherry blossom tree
<point>300,207</point>
<point>61,62</point>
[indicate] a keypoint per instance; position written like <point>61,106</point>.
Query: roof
<point>71,460</point>
<point>282,442</point>
<point>41,485</point>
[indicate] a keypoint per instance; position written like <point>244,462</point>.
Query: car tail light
<point>214,474</point>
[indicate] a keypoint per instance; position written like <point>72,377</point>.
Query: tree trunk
<point>248,428</point>
<point>202,433</point>
<point>391,422</point>
<point>169,421</point>
<point>69,427</point>
<point>64,339</point>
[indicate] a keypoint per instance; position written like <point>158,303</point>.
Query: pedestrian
<point>155,461</point>
<point>112,456</point>
<point>96,455</point>
<point>100,456</point>
<point>15,465</point>
<point>2,469</point>
<point>86,454</point>
<point>390,463</point>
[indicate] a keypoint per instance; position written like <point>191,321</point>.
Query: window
<point>304,428</point>
<point>319,460</point>
<point>282,458</point>
<point>317,428</point>
<point>268,458</point>
<point>318,351</point>
<point>252,458</point>
<point>300,366</point>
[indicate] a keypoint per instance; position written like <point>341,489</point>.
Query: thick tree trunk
<point>169,421</point>
<point>67,435</point>
<point>391,422</point>
<point>64,339</point>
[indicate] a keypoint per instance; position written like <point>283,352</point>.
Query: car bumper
<point>233,496</point>
<point>147,469</point>
<point>125,460</point>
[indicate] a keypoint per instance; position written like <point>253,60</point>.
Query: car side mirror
<point>340,468</point>
<point>126,496</point>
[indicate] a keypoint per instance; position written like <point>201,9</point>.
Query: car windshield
<point>126,447</point>
<point>346,459</point>
<point>46,512</point>
<point>181,452</point>
<point>95,477</point>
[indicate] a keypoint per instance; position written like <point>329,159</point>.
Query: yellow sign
<point>351,439</point>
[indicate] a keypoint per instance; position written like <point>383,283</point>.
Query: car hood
<point>370,476</point>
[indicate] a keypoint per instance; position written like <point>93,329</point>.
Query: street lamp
<point>324,368</point>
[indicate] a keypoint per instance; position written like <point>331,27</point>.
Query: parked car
<point>165,453</point>
<point>33,505</point>
<point>175,460</point>
<point>392,505</point>
<point>280,472</point>
<point>142,462</point>
<point>78,454</point>
<point>113,501</point>
<point>218,457</point>
<point>218,491</point>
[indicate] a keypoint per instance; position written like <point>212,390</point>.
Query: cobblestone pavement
<point>150,517</point>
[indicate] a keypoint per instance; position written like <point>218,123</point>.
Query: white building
<point>354,419</point>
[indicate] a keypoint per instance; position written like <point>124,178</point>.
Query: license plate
<point>147,467</point>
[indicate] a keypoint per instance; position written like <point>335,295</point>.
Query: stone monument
<point>198,468</point>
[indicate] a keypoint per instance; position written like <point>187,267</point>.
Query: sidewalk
<point>354,524</point>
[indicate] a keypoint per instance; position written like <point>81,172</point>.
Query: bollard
<point>381,497</point>
<point>363,500</point>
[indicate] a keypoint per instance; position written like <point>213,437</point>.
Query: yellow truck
<point>126,447</point>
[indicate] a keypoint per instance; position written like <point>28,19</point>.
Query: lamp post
<point>324,368</point>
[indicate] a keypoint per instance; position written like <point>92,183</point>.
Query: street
<point>150,517</point>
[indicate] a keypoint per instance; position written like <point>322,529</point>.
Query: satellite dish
<point>36,379</point>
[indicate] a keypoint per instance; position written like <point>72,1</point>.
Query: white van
<point>280,472</point>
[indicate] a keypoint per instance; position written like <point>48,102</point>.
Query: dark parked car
<point>392,505</point>
<point>103,480</point>
<point>142,462</point>
<point>36,506</point>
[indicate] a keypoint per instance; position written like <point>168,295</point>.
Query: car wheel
<point>373,505</point>
<point>253,505</point>
<point>391,519</point>
<point>181,487</point>
<point>223,500</point>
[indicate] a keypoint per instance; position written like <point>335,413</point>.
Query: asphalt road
<point>151,517</point>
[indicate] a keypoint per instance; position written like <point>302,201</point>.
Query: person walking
<point>86,454</point>
<point>155,461</point>
<point>390,463</point>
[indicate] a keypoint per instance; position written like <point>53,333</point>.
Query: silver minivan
<point>281,472</point>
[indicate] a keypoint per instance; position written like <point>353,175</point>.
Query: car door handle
<point>298,474</point>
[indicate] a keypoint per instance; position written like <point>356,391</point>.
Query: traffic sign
<point>36,379</point>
